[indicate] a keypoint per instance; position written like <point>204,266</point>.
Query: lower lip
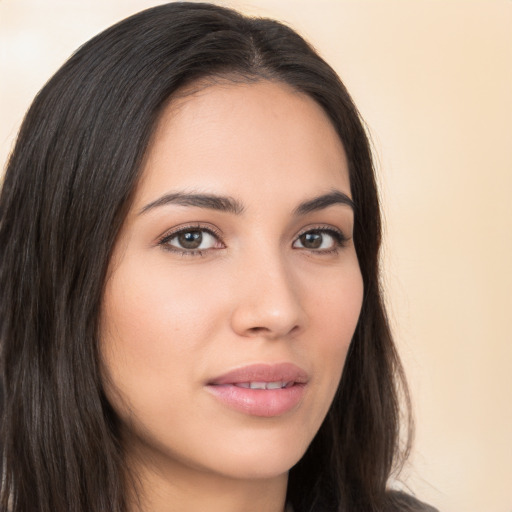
<point>259,402</point>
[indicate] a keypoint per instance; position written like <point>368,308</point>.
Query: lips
<point>265,385</point>
<point>264,390</point>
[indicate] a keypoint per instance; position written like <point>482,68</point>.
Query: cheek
<point>334,304</point>
<point>153,331</point>
<point>334,312</point>
<point>146,306</point>
<point>345,310</point>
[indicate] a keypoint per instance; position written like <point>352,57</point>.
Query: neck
<point>191,490</point>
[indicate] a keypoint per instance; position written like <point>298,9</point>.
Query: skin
<point>254,293</point>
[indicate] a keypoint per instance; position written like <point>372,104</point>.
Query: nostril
<point>259,330</point>
<point>266,331</point>
<point>274,315</point>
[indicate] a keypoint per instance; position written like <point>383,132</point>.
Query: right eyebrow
<point>209,201</point>
<point>324,201</point>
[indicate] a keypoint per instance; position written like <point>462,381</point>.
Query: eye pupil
<point>190,239</point>
<point>311,240</point>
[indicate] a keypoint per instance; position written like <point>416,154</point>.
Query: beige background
<point>433,80</point>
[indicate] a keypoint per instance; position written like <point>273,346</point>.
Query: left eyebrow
<point>324,201</point>
<point>208,201</point>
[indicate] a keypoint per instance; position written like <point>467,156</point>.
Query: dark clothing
<point>402,502</point>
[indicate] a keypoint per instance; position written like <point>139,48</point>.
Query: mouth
<point>261,390</point>
<point>264,385</point>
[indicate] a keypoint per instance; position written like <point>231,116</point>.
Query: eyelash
<point>164,241</point>
<point>340,240</point>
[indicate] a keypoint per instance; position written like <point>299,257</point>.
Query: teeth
<point>263,385</point>
<point>275,385</point>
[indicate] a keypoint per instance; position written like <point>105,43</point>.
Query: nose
<point>267,300</point>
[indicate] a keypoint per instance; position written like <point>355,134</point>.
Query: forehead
<point>254,139</point>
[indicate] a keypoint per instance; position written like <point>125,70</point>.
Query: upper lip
<point>284,372</point>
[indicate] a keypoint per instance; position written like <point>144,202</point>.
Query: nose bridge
<point>267,295</point>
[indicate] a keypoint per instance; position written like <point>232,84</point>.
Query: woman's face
<point>234,288</point>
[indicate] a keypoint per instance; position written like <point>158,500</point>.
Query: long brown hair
<point>67,188</point>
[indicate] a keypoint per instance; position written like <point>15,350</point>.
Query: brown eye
<point>311,240</point>
<point>191,240</point>
<point>322,240</point>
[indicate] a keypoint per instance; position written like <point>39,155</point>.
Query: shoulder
<point>396,501</point>
<point>401,502</point>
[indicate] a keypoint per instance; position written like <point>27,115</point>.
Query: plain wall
<point>433,79</point>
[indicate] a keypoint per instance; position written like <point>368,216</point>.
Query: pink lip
<point>261,402</point>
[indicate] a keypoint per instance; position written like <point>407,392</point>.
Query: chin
<point>259,468</point>
<point>262,458</point>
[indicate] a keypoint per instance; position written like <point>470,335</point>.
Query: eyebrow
<point>231,205</point>
<point>209,201</point>
<point>324,201</point>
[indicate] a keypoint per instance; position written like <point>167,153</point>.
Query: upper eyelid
<point>326,228</point>
<point>164,240</point>
<point>174,232</point>
<point>171,233</point>
<point>216,232</point>
<point>336,234</point>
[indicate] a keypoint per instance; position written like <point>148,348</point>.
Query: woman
<point>191,316</point>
